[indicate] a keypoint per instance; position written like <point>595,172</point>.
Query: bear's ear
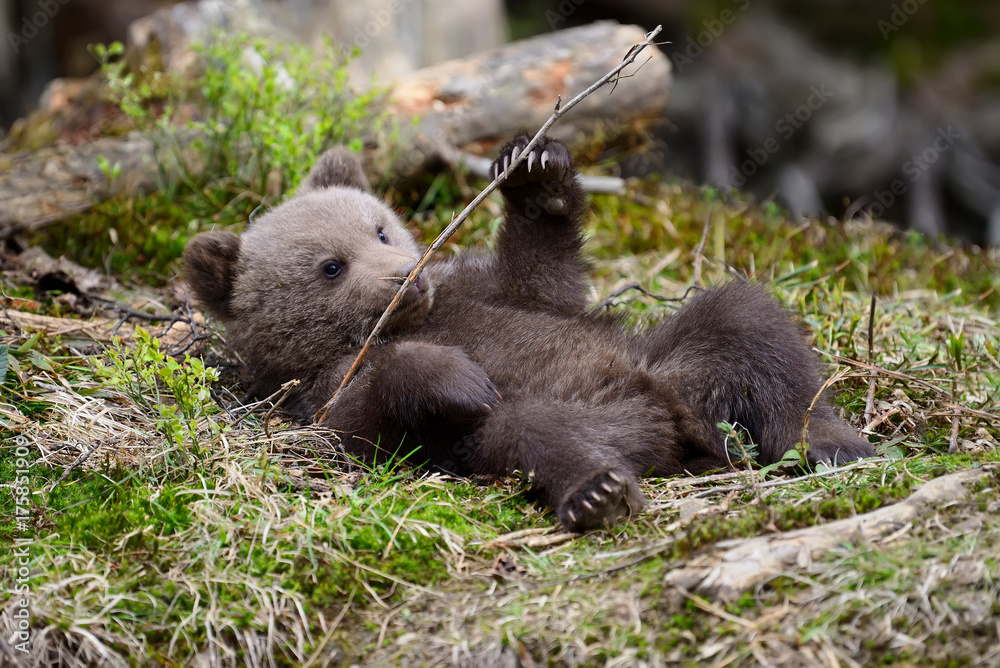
<point>210,270</point>
<point>336,167</point>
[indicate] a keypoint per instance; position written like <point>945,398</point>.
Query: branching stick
<point>560,110</point>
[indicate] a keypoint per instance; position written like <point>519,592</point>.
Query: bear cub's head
<point>309,278</point>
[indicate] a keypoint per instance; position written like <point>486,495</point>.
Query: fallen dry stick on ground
<point>465,104</point>
<point>172,335</point>
<point>757,560</point>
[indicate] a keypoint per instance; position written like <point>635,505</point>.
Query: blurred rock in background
<point>395,37</point>
<point>49,39</point>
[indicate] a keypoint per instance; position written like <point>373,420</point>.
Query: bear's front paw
<point>548,161</point>
<point>462,396</point>
<point>601,501</point>
<point>426,384</point>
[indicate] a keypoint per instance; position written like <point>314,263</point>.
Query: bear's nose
<point>405,270</point>
<point>417,283</point>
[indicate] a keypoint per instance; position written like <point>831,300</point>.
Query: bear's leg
<point>583,457</point>
<point>587,483</point>
<point>427,394</point>
<point>537,259</point>
<point>831,440</point>
<point>735,355</point>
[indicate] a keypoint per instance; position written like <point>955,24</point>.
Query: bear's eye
<point>381,236</point>
<point>331,269</point>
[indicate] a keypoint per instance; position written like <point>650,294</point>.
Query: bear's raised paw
<point>548,161</point>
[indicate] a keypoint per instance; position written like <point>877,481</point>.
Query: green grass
<point>139,240</point>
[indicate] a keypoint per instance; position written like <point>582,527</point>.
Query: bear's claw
<point>549,160</point>
<point>600,501</point>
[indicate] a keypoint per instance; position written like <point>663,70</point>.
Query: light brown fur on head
<point>309,278</point>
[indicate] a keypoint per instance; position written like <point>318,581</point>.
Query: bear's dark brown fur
<point>492,363</point>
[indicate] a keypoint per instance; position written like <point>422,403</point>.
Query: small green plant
<point>110,172</point>
<point>177,395</point>
<point>790,460</point>
<point>738,444</point>
<point>266,110</point>
<point>124,91</point>
<point>276,108</point>
<point>956,349</point>
<point>243,131</point>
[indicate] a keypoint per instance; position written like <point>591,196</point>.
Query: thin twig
<point>128,312</point>
<point>188,340</point>
<point>285,390</point>
<point>80,460</point>
<point>835,378</point>
<point>609,301</point>
<point>870,403</point>
<point>560,110</point>
<point>697,481</point>
<point>699,252</point>
<point>249,408</point>
<point>885,372</point>
<point>713,609</point>
<point>780,482</point>
<point>956,408</point>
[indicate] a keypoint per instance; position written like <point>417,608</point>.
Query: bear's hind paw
<point>601,501</point>
<point>840,452</point>
<point>833,442</point>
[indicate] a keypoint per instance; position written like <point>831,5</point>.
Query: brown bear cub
<point>492,363</point>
